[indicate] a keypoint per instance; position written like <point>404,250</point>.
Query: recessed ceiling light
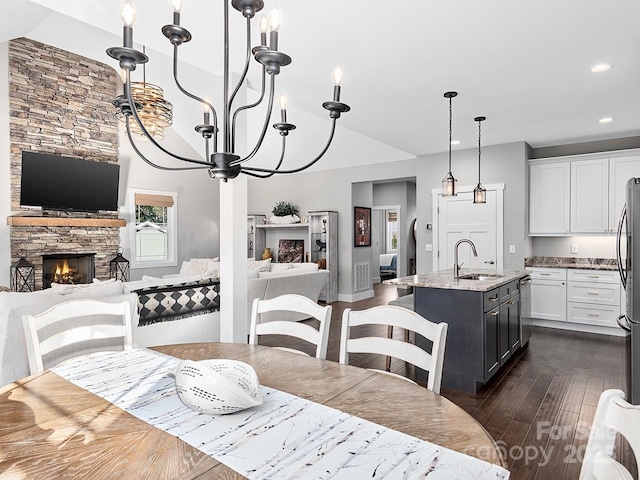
<point>601,67</point>
<point>455,142</point>
<point>606,120</point>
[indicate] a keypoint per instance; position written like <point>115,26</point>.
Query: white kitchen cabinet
<point>590,196</point>
<point>621,169</point>
<point>549,196</point>
<point>583,194</point>
<point>548,293</point>
<point>593,297</point>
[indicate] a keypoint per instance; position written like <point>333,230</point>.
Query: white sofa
<point>268,280</point>
<point>265,281</point>
<point>13,355</point>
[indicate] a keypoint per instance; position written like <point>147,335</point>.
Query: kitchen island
<point>484,317</point>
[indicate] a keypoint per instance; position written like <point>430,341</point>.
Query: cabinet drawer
<point>600,294</point>
<point>548,273</point>
<point>585,313</point>
<point>508,290</point>
<point>594,276</point>
<point>491,299</point>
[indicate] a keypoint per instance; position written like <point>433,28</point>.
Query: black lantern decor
<point>23,274</point>
<point>119,266</point>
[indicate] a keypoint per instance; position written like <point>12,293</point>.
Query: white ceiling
<point>524,64</point>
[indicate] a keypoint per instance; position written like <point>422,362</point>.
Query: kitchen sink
<point>480,276</point>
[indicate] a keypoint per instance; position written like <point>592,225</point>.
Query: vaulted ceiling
<point>524,64</point>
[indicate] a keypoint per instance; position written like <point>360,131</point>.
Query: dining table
<point>50,427</point>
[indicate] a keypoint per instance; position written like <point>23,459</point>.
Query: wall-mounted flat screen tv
<point>54,182</point>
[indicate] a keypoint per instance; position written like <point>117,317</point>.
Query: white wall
<point>332,190</point>
<point>198,204</point>
<point>500,164</point>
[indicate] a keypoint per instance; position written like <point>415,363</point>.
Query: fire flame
<point>62,270</point>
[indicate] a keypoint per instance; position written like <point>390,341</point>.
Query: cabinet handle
<point>593,293</point>
<point>493,299</point>
<point>590,314</point>
<point>511,302</point>
<point>593,276</point>
<point>494,313</point>
<point>545,274</point>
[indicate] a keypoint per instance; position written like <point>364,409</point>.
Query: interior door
<point>458,218</point>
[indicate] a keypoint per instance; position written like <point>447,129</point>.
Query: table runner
<point>287,437</point>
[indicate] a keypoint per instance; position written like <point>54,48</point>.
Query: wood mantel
<point>65,222</point>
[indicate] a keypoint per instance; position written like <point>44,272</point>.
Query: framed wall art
<point>290,251</point>
<point>362,227</point>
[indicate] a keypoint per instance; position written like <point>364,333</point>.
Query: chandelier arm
<point>149,162</point>
<point>245,107</point>
<point>243,76</point>
<point>144,130</point>
<point>299,169</point>
<point>284,146</point>
<point>272,88</point>
<point>196,98</point>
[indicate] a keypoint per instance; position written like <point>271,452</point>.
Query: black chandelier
<point>223,162</point>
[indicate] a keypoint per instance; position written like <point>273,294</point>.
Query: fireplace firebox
<point>68,268</point>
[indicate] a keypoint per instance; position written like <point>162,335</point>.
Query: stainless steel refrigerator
<point>628,252</point>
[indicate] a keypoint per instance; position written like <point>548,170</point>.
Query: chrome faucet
<point>456,267</point>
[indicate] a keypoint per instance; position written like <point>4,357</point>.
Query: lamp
<point>479,193</point>
<point>224,162</point>
<point>448,182</point>
<point>155,112</point>
<point>119,266</point>
<point>23,277</point>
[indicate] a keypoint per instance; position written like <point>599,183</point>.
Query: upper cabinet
<point>621,169</point>
<point>549,198</point>
<point>580,195</point>
<point>590,196</point>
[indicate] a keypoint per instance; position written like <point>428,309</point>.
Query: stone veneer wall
<point>60,103</point>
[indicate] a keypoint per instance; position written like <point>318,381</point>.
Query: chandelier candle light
<point>479,193</point>
<point>448,182</point>
<point>224,162</point>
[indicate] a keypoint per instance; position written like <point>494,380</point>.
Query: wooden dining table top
<point>51,428</point>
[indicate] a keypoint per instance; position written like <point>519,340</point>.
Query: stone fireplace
<point>60,103</point>
<point>68,268</point>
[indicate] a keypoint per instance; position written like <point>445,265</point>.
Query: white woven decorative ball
<point>217,386</point>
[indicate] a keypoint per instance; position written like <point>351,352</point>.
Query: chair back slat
<point>401,317</point>
<point>613,414</point>
<point>76,327</point>
<point>292,303</point>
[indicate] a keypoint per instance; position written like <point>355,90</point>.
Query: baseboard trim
<point>579,327</point>
<point>356,297</point>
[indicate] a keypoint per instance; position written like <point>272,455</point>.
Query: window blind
<point>153,200</point>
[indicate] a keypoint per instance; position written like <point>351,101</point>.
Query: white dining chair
<point>76,327</point>
<point>303,331</point>
<point>614,414</point>
<point>410,321</point>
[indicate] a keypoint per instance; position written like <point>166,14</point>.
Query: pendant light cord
<point>479,153</point>
<point>450,129</point>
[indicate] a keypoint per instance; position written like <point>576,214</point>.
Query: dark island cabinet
<point>483,333</point>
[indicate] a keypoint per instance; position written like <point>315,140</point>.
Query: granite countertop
<point>585,263</point>
<point>444,279</point>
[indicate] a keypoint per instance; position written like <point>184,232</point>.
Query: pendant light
<point>479,193</point>
<point>448,182</point>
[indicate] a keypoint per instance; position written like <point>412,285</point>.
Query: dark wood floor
<point>540,408</point>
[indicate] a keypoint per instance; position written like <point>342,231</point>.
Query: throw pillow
<point>259,265</point>
<point>279,267</point>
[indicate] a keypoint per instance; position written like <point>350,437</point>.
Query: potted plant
<point>284,212</point>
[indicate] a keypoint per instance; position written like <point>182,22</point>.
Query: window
<point>154,234</point>
<point>392,230</point>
